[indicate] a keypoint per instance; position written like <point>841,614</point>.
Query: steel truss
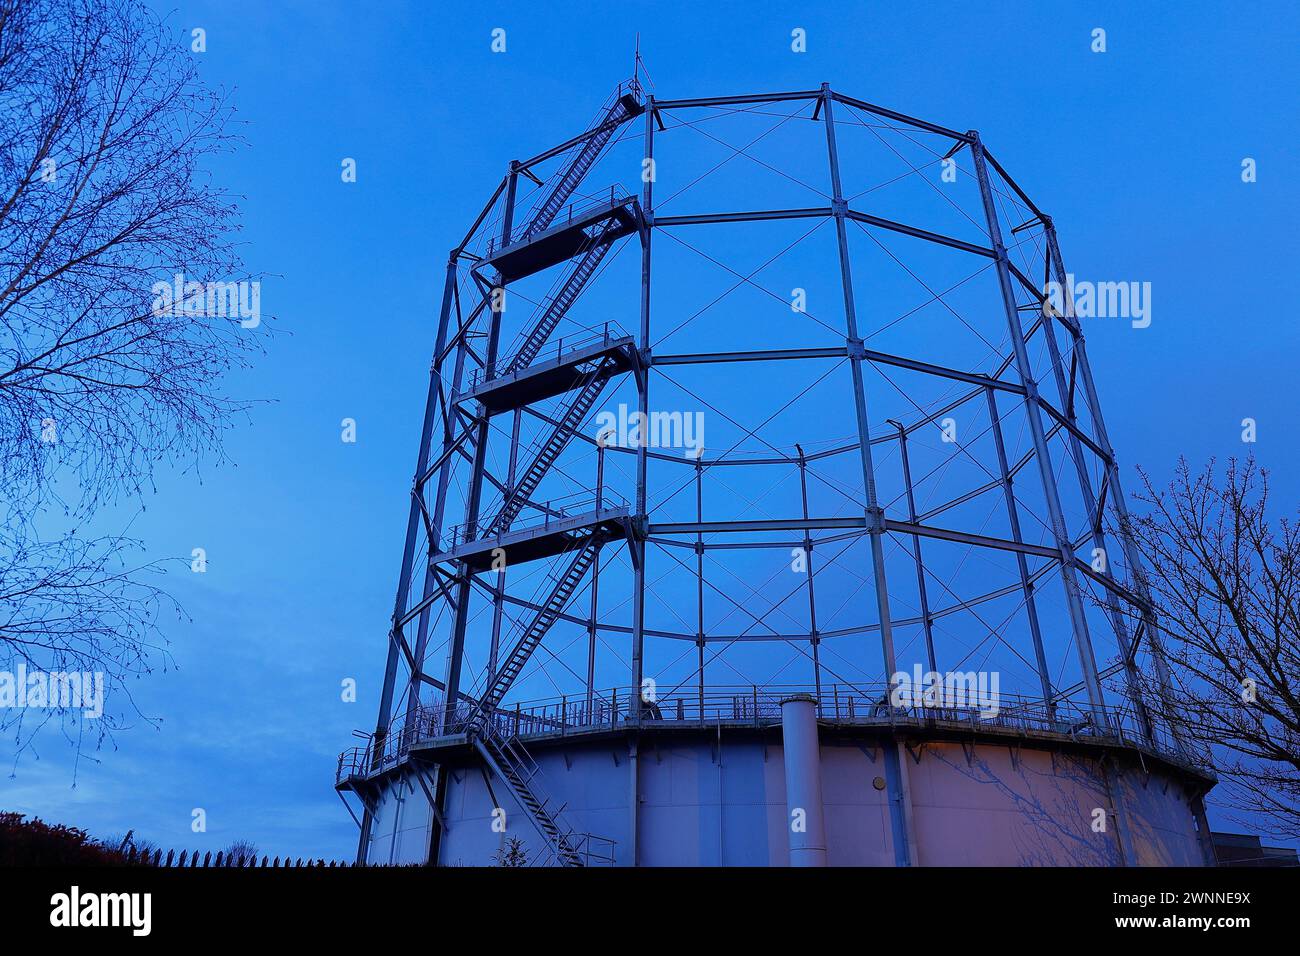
<point>472,384</point>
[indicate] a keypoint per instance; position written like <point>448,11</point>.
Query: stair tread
<point>578,169</point>
<point>546,618</point>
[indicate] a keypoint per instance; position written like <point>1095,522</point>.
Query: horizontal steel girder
<point>814,212</point>
<point>871,355</point>
<point>812,524</point>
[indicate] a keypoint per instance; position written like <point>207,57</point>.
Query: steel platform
<point>550,377</point>
<point>555,536</point>
<point>565,238</point>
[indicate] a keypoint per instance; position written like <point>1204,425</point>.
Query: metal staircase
<point>584,555</point>
<point>626,105</point>
<point>503,753</point>
<point>560,303</point>
<point>588,389</point>
<point>508,760</point>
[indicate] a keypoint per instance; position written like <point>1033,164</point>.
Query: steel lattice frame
<point>433,617</point>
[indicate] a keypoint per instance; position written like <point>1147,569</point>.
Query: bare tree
<point>1225,581</point>
<point>242,850</point>
<point>75,606</point>
<point>121,307</point>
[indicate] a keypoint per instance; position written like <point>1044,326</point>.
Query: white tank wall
<point>1158,813</point>
<point>402,825</point>
<point>681,789</point>
<point>982,805</point>
<point>1026,808</point>
<point>594,789</point>
<point>858,827</point>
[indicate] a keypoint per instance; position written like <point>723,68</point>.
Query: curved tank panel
<point>710,799</point>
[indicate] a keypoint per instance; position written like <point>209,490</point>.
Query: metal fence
<point>223,860</point>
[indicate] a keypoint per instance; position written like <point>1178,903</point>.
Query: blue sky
<point>1135,152</point>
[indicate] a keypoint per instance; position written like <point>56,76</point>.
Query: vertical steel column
<point>1079,623</point>
<point>1022,564</point>
<point>439,507</point>
<point>1091,504</point>
<point>449,427</point>
<point>385,715</point>
<point>699,577</point>
<point>814,637</point>
<point>450,424</point>
<point>498,599</point>
<point>637,541</point>
<point>926,623</point>
<point>456,651</point>
<point>1134,559</point>
<point>419,652</point>
<point>875,514</point>
<point>595,587</point>
<point>592,631</point>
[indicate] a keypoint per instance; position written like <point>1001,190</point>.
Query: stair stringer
<point>556,838</point>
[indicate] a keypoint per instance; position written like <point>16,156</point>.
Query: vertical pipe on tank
<point>803,781</point>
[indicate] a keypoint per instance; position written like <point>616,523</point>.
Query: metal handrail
<point>553,509</point>
<point>593,849</point>
<point>760,706</point>
<point>577,342</point>
<point>573,210</point>
<point>585,846</point>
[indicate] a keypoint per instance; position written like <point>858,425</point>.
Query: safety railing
<point>758,706</point>
<point>546,513</point>
<point>578,341</point>
<point>353,762</point>
<point>568,213</point>
<point>593,850</point>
